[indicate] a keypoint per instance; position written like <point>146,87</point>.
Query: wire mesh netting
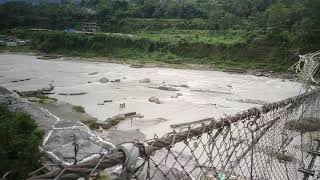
<point>308,69</point>
<point>276,141</point>
<point>270,142</point>
<point>260,144</point>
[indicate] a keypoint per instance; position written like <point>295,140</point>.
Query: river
<point>207,94</point>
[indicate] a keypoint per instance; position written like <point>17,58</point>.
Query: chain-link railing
<point>270,142</point>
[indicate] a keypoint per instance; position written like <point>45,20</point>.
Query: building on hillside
<point>89,27</point>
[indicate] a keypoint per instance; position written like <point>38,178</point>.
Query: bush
<point>20,139</point>
<point>79,109</point>
<point>91,122</point>
<point>134,24</point>
<point>173,47</point>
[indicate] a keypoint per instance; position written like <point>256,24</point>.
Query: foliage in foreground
<point>20,139</point>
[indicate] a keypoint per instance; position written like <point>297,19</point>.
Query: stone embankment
<point>60,134</point>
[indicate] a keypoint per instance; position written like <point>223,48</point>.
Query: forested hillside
<point>273,31</point>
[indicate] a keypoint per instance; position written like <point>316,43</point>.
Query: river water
<point>222,91</point>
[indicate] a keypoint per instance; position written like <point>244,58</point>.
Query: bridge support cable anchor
<point>131,152</point>
<point>309,172</point>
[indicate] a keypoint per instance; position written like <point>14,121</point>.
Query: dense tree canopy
<point>291,25</point>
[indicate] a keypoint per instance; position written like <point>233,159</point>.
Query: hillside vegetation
<point>20,139</point>
<point>265,34</point>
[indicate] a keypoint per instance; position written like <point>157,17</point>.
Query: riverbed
<point>200,94</point>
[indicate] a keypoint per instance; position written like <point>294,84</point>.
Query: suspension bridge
<point>279,140</point>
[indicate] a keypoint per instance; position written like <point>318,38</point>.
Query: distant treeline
<point>129,25</point>
<point>288,27</point>
<point>173,52</point>
<point>285,20</point>
<point>48,16</point>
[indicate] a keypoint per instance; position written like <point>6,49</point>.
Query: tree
<point>308,30</point>
<point>148,9</point>
<point>216,15</point>
<point>20,139</point>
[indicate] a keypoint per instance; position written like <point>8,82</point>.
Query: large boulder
<point>104,80</point>
<point>59,143</point>
<point>154,99</point>
<point>60,134</point>
<point>145,80</point>
<point>17,104</point>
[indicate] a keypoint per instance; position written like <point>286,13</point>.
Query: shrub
<point>20,139</point>
<point>91,122</point>
<point>79,109</point>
